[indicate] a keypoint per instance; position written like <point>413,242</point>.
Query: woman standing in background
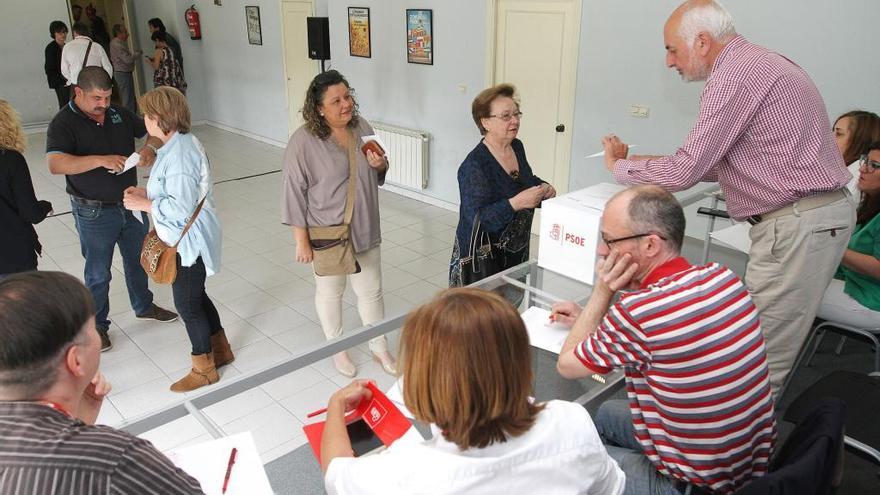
<point>52,65</point>
<point>180,189</point>
<point>314,190</point>
<point>19,208</point>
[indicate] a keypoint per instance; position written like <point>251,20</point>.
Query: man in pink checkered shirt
<point>763,134</point>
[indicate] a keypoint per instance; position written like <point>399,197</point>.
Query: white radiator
<point>408,149</point>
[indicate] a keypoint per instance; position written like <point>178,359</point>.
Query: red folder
<point>379,414</point>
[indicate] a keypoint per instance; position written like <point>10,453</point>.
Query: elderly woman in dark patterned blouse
<point>315,179</point>
<point>497,183</point>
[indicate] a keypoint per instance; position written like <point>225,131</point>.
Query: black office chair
<point>810,462</point>
<point>860,393</point>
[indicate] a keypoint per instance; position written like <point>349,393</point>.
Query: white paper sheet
<point>130,163</point>
<point>735,236</point>
<point>374,137</point>
<point>207,463</point>
<point>542,333</point>
<point>602,153</point>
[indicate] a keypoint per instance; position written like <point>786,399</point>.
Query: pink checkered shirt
<point>763,133</point>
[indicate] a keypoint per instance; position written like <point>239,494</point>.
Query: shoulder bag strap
<point>191,220</point>
<point>86,58</point>
<point>352,179</point>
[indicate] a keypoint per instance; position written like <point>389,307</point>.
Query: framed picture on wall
<point>359,32</point>
<point>254,31</point>
<point>419,36</point>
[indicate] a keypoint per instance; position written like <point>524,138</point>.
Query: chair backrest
<point>810,461</point>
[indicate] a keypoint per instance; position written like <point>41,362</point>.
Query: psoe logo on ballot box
<point>558,234</point>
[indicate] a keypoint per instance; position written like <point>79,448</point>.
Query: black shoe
<point>106,345</point>
<point>158,314</point>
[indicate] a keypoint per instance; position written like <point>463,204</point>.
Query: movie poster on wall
<point>359,31</point>
<point>419,36</point>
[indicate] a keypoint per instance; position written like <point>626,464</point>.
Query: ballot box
<point>570,231</point>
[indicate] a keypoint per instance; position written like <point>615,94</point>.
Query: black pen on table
<point>229,468</point>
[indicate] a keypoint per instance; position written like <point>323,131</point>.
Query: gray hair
<point>706,16</point>
<point>654,209</point>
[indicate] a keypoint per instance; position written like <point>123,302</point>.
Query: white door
<point>299,69</point>
<point>535,49</point>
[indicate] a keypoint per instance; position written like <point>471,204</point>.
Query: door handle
<point>560,128</point>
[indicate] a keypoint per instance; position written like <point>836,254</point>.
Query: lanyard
<point>56,407</point>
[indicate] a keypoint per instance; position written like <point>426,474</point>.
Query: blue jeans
<point>100,228</point>
<point>199,315</point>
<point>615,426</point>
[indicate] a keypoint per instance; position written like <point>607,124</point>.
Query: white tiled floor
<point>264,298</point>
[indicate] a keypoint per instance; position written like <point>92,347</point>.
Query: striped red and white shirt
<point>762,133</point>
<point>696,373</point>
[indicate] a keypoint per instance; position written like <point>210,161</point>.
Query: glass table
<point>526,285</point>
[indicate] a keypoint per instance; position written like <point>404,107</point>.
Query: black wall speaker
<point>319,37</point>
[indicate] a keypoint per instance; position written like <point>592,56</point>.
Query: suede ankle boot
<point>222,351</point>
<point>203,373</point>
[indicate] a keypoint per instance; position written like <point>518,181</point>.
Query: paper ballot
<point>602,153</point>
<point>207,463</point>
<point>130,163</point>
<point>542,333</point>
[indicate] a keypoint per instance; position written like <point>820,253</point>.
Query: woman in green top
<point>853,297</point>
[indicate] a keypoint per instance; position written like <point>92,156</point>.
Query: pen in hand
<point>229,468</point>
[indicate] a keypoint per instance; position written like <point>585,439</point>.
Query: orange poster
<point>359,31</point>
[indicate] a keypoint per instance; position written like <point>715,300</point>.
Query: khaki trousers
<point>367,286</point>
<point>791,261</point>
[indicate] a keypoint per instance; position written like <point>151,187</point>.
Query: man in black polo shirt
<point>88,141</point>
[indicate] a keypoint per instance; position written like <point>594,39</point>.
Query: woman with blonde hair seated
<point>466,364</point>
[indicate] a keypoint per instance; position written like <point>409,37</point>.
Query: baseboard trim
<point>244,133</point>
<point>409,193</point>
<point>35,128</point>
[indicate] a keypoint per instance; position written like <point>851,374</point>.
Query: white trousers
<point>839,307</point>
<point>367,286</point>
<point>791,262</point>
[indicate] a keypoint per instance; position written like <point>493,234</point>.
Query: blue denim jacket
<point>180,178</point>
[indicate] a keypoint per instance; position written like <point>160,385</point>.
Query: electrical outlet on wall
<point>638,111</point>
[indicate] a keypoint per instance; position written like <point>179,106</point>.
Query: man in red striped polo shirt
<point>763,134</point>
<point>700,410</point>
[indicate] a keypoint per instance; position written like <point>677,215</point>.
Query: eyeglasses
<point>505,117</point>
<point>870,165</point>
<point>608,242</point>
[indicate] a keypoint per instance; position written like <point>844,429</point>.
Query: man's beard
<point>696,71</point>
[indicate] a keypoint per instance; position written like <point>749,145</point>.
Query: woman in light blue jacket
<point>179,181</point>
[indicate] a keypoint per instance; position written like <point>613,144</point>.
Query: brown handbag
<point>158,259</point>
<point>332,250</point>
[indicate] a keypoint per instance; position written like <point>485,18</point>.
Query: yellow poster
<point>359,31</point>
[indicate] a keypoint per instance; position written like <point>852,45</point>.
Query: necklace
<point>502,159</point>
